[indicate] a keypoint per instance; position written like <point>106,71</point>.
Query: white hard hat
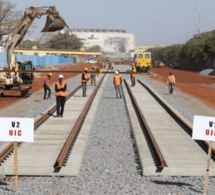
<point>116,72</point>
<point>60,76</point>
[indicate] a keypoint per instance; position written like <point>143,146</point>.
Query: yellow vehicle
<point>142,61</point>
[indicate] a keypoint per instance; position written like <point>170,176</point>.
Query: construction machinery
<point>142,61</point>
<point>13,78</point>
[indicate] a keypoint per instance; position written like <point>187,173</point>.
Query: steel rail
<point>8,149</point>
<point>156,153</point>
<point>179,119</point>
<point>63,156</point>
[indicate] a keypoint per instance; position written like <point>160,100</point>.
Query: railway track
<point>54,139</point>
<point>162,136</point>
<point>166,134</point>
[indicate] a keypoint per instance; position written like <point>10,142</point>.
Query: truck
<point>16,74</point>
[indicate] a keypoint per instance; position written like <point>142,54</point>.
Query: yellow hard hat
<point>118,69</point>
<point>85,68</point>
<point>50,74</point>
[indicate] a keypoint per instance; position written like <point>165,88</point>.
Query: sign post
<point>16,130</point>
<point>204,129</point>
<point>207,170</point>
<point>15,167</point>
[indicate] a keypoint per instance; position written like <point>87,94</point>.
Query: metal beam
<point>58,52</point>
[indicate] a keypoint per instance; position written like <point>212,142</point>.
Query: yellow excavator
<point>11,81</point>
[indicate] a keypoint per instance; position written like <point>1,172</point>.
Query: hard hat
<point>116,72</point>
<point>118,69</point>
<point>50,74</point>
<point>85,68</point>
<point>60,76</point>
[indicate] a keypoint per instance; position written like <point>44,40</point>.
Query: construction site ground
<point>201,87</point>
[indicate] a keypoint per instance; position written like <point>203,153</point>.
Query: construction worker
<point>93,76</point>
<point>84,79</point>
<point>119,71</point>
<point>171,82</point>
<point>133,75</point>
<point>46,86</point>
<point>60,93</point>
<point>15,69</point>
<point>117,81</point>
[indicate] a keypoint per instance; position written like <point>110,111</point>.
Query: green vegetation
<point>196,54</point>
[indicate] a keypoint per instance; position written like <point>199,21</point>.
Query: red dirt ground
<point>188,82</point>
<point>192,83</point>
<point>37,83</point>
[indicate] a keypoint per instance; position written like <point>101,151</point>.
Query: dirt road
<point>200,86</point>
<point>38,82</point>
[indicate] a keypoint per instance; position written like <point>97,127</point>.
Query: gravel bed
<point>37,109</point>
<point>110,163</point>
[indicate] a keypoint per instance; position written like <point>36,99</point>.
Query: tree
<point>94,48</point>
<point>29,44</point>
<point>64,41</point>
<point>194,51</point>
<point>8,19</point>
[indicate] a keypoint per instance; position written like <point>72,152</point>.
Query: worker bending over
<point>46,86</point>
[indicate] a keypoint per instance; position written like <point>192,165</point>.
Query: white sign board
<point>17,129</point>
<point>204,128</point>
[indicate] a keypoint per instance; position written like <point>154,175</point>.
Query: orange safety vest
<point>84,77</point>
<point>171,79</point>
<point>117,80</point>
<point>60,93</point>
<point>133,73</point>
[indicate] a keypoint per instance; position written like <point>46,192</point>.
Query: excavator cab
<point>27,77</point>
<point>53,23</point>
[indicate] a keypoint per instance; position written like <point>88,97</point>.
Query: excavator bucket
<point>53,24</point>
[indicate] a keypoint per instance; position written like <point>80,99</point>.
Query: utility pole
<point>196,18</point>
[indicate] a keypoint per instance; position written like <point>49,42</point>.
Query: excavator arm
<point>54,22</point>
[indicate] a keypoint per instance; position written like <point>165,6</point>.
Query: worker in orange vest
<point>133,75</point>
<point>84,79</point>
<point>117,81</point>
<point>60,93</point>
<point>171,82</point>
<point>46,86</point>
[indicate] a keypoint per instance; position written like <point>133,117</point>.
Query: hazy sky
<point>154,22</point>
